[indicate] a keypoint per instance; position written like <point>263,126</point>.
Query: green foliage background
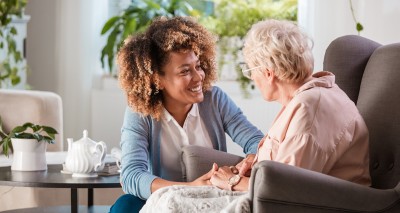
<point>136,18</point>
<point>10,9</point>
<point>225,18</point>
<point>233,18</point>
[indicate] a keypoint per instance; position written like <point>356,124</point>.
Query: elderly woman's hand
<point>244,167</point>
<point>220,178</point>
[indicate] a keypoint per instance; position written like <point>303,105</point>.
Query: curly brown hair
<point>142,56</point>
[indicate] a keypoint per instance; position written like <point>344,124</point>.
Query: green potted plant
<point>233,18</point>
<point>12,63</point>
<point>136,18</point>
<point>28,144</point>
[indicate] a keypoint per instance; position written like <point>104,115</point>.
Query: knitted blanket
<point>206,199</point>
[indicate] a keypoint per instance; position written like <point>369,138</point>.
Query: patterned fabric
<point>207,199</point>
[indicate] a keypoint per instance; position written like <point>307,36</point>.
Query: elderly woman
<point>318,128</point>
<point>166,73</point>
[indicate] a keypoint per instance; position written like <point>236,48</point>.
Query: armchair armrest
<point>197,160</point>
<point>279,187</point>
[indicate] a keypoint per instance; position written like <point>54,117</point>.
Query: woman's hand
<point>205,179</point>
<point>220,178</point>
<point>244,167</point>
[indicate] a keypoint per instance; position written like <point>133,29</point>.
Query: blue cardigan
<point>140,139</point>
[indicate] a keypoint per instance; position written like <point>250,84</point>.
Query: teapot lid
<point>85,137</point>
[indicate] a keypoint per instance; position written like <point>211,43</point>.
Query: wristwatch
<point>233,181</point>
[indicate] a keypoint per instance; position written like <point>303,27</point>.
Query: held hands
<point>217,176</point>
<point>220,178</point>
<point>244,167</point>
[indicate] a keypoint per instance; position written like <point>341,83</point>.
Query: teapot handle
<point>103,148</point>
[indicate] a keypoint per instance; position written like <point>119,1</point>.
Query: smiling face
<point>182,81</point>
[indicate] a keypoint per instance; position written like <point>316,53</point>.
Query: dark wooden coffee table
<point>53,178</point>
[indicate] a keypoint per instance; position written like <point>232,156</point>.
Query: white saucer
<point>84,175</point>
<point>66,172</point>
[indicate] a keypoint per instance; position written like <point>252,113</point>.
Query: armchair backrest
<point>347,57</point>
<point>370,75</point>
<point>39,107</point>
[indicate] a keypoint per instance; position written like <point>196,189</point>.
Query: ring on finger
<point>233,169</point>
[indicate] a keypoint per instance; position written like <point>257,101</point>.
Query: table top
<point>53,178</point>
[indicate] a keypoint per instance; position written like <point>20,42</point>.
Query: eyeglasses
<point>246,70</point>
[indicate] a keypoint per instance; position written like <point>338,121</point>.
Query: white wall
<point>40,45</point>
<point>63,46</point>
<point>326,20</point>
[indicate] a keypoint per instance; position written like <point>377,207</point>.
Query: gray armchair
<point>39,107</point>
<point>370,74</point>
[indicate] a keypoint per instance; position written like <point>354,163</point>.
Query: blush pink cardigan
<point>320,129</point>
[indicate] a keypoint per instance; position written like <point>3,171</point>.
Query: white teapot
<point>85,157</point>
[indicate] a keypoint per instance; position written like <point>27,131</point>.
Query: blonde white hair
<point>280,46</point>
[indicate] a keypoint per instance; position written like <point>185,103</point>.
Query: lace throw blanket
<point>207,199</point>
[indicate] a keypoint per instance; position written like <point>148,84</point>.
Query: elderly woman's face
<point>262,80</point>
<point>183,77</point>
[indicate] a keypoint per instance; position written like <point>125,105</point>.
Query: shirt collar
<point>194,112</point>
<point>320,79</point>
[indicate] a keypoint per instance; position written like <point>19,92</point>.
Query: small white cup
<point>116,153</point>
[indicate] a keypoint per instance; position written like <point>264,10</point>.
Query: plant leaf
<point>15,80</point>
<point>51,135</point>
<point>37,128</point>
<point>13,31</point>
<point>129,28</point>
<point>38,137</point>
<point>110,23</point>
<point>24,135</point>
<point>49,130</point>
<point>1,125</point>
<point>19,129</point>
<point>49,139</point>
<point>28,124</point>
<point>108,50</point>
<point>152,4</point>
<point>2,134</point>
<point>359,27</point>
<point>6,145</point>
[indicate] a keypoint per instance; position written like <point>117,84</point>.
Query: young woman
<point>166,73</point>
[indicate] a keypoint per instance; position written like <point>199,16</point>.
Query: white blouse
<point>174,138</point>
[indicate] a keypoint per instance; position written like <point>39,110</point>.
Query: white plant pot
<point>29,155</point>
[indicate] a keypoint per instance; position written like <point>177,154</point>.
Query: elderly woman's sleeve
<point>301,151</point>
